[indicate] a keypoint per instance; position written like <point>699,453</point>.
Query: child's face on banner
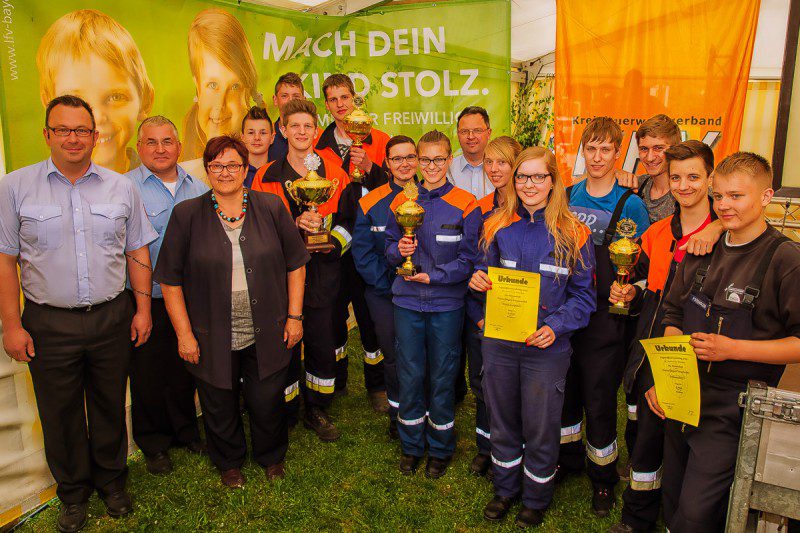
<point>221,98</point>
<point>115,103</point>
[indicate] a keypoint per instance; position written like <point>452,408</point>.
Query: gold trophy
<point>409,216</point>
<point>624,253</point>
<point>313,190</point>
<point>357,125</point>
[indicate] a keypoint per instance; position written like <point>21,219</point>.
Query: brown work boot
<point>379,402</point>
<point>409,464</point>
<point>436,467</point>
<point>318,420</point>
<point>480,465</point>
<point>497,508</point>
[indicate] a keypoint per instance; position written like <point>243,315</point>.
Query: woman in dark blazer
<point>232,270</point>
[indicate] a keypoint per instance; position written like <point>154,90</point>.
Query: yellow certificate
<point>674,366</point>
<point>512,304</point>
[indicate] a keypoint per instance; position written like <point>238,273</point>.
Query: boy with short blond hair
<point>739,305</point>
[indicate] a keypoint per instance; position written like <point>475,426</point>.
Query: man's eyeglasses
<point>396,160</point>
<point>537,179</point>
<point>166,143</point>
<point>475,132</point>
<point>438,161</point>
<point>232,168</point>
<point>64,132</point>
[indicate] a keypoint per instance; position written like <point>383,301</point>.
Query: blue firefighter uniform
<point>369,244</point>
<point>429,317</point>
<point>472,343</point>
<point>524,385</point>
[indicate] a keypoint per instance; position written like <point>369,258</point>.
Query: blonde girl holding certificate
<point>533,231</point>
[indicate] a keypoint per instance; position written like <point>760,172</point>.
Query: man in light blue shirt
<point>74,229</point>
<point>162,390</point>
<point>466,171</point>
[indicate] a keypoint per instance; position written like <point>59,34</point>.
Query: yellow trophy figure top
<point>312,190</point>
<point>624,254</point>
<point>625,245</point>
<point>409,216</point>
<point>357,125</point>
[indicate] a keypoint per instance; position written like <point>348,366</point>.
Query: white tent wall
<point>25,481</point>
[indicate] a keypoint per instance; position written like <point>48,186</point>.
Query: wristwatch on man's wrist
<point>295,317</point>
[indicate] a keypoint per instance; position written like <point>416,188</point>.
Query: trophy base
<point>318,242</point>
<point>616,310</point>
<point>405,271</point>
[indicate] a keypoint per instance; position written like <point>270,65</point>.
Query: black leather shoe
<point>232,478</point>
<point>118,504</point>
<point>71,517</point>
<point>276,471</point>
<point>436,467</point>
<point>409,464</point>
<point>603,501</point>
<point>497,508</point>
<point>158,463</point>
<point>198,447</point>
<point>318,421</point>
<point>480,465</point>
<point>393,433</point>
<point>528,517</point>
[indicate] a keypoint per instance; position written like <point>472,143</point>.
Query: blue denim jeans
<point>428,348</point>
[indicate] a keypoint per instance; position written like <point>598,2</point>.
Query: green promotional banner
<point>204,63</point>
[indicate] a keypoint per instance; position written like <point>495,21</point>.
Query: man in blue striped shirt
<point>162,390</point>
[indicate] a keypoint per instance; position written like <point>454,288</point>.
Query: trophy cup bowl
<point>312,191</point>
<point>624,254</point>
<point>409,216</point>
<point>357,125</point>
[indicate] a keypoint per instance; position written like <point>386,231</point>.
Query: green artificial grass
<point>349,485</point>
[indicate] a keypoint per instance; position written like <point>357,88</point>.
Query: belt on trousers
<point>82,309</point>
